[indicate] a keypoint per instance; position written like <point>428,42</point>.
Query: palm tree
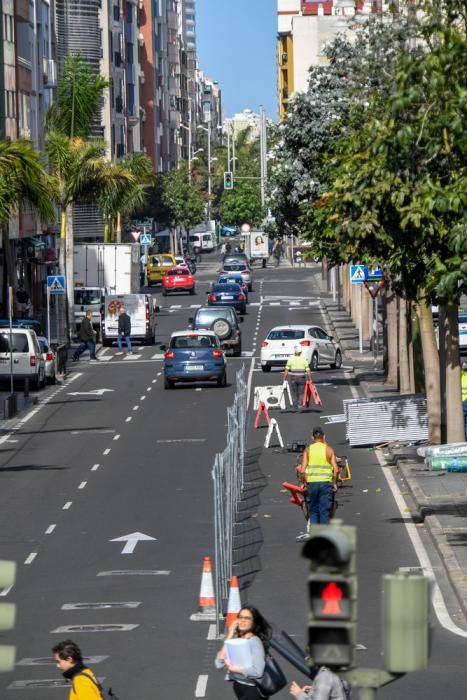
<point>79,168</point>
<point>122,198</point>
<point>23,180</point>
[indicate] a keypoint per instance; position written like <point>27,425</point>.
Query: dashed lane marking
<point>116,437</point>
<point>95,467</point>
<point>128,419</point>
<point>134,572</point>
<point>30,558</point>
<point>211,633</point>
<point>101,606</point>
<point>106,451</point>
<point>135,408</point>
<point>50,529</point>
<point>200,690</point>
<point>72,629</point>
<point>82,485</point>
<point>67,505</point>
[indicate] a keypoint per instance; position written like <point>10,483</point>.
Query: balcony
<point>172,20</point>
<point>174,119</point>
<point>119,104</point>
<point>49,68</point>
<point>22,10</point>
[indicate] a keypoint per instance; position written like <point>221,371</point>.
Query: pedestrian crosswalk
<point>306,303</point>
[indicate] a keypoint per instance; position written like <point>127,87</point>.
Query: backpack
<point>103,693</point>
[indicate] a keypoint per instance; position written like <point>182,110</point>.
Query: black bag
<point>272,680</point>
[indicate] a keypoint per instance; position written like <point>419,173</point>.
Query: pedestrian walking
<point>22,300</point>
<point>223,249</point>
<point>251,625</point>
<point>298,369</point>
<point>326,685</point>
<point>124,331</point>
<point>87,337</point>
<point>319,471</point>
<point>277,251</point>
<point>464,395</point>
<point>69,659</point>
<point>228,247</point>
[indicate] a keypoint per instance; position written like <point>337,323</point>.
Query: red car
<point>178,279</point>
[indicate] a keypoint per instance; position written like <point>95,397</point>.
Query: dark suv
<point>225,324</point>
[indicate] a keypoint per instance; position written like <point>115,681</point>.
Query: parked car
<point>224,322</point>
<point>229,294</point>
<point>157,265</point>
<point>241,268</point>
<point>22,323</point>
<point>193,357</point>
<point>240,257</point>
<point>319,348</point>
<point>236,278</point>
<point>49,359</point>
<point>178,279</point>
<point>28,362</point>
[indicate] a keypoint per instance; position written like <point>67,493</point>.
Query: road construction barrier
<point>310,391</point>
<point>272,396</point>
<point>262,409</point>
<point>234,605</point>
<point>207,598</point>
<point>273,428</point>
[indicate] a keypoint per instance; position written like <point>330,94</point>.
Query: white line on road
<point>155,380</point>
<point>135,408</point>
<point>142,398</point>
<point>116,437</point>
<point>148,388</point>
<point>129,419</point>
<point>95,467</point>
<point>211,633</point>
<point>166,442</point>
<point>82,485</point>
<point>67,505</point>
<point>30,558</point>
<point>106,451</point>
<point>50,529</point>
<point>5,591</point>
<point>201,684</point>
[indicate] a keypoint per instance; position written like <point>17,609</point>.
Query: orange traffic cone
<point>234,605</point>
<point>207,599</point>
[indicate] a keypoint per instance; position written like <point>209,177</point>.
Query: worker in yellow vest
<point>319,471</point>
<point>464,395</point>
<point>298,369</point>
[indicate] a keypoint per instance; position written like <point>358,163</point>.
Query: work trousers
<point>297,388</point>
<point>319,497</point>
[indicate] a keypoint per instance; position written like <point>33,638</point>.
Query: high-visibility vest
<point>464,384</point>
<point>297,364</point>
<point>318,467</point>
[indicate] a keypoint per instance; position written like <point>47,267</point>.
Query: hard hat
<point>297,349</point>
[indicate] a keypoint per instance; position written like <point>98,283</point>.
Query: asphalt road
<point>87,468</point>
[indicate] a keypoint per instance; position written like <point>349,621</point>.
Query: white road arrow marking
<point>132,540</point>
<point>94,392</point>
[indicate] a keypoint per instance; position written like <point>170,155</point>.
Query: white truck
<point>256,245</point>
<point>103,268</point>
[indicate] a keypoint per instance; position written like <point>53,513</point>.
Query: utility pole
<point>209,169</point>
<point>233,150</point>
<point>189,138</point>
<point>263,152</point>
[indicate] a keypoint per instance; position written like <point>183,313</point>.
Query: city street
<point>109,453</point>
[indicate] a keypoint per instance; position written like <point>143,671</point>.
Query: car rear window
<point>88,297</point>
<point>154,262</point>
<point>227,288</point>
<point>19,342</point>
<point>286,334</point>
<point>193,341</point>
<point>235,266</point>
<point>174,273</point>
<point>166,260</point>
<point>43,345</point>
<point>208,316</point>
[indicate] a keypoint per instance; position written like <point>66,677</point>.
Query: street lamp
<point>188,128</point>
<point>208,131</point>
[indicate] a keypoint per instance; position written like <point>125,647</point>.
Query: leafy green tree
<point>79,98</point>
<point>242,204</point>
<point>23,180</point>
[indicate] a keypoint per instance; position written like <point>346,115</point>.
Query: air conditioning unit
<point>141,39</point>
<point>142,77</point>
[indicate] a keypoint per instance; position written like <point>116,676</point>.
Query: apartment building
<point>303,27</point>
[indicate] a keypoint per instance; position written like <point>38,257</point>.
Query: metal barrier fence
<point>227,474</point>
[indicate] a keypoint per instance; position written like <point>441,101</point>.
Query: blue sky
<point>236,43</point>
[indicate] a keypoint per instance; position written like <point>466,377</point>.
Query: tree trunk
<point>410,315</point>
<point>61,252</point>
<point>454,408</point>
<point>106,230</point>
<point>70,279</point>
<point>9,264</point>
<point>119,227</point>
<point>391,335</point>
<point>404,374</point>
<point>431,365</point>
<point>345,287</point>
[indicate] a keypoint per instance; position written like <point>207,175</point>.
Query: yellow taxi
<point>157,265</point>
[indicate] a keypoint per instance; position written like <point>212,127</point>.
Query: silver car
<point>49,359</point>
<point>241,268</point>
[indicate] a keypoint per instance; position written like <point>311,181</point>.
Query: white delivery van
<point>28,361</point>
<point>205,241</point>
<point>141,309</point>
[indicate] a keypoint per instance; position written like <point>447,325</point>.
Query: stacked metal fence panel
<point>386,419</point>
<point>227,475</point>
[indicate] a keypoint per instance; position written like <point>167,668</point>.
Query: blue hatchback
<point>228,295</point>
<point>194,356</point>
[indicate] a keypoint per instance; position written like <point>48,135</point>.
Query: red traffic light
<point>330,600</point>
<point>332,595</point>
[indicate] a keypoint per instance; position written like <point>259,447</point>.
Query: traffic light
<point>228,181</point>
<point>332,588</point>
<point>7,614</point>
<point>405,622</point>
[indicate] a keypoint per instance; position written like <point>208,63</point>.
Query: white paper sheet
<point>238,652</point>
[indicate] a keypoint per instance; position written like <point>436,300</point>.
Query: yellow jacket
<point>464,384</point>
<point>83,687</point>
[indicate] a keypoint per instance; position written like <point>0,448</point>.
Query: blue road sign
<point>56,284</point>
<point>146,239</point>
<point>358,274</point>
<point>374,275</point>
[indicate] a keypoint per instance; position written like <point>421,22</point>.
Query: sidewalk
<point>437,500</point>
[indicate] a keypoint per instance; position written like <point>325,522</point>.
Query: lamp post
<point>188,128</point>
<point>208,131</point>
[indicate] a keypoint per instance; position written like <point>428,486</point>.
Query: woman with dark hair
<point>251,625</point>
<point>69,659</point>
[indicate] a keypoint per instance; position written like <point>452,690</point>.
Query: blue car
<point>228,295</point>
<point>236,278</point>
<point>194,356</point>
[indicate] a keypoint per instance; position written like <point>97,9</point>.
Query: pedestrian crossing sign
<point>146,239</point>
<point>56,284</point>
<point>358,274</point>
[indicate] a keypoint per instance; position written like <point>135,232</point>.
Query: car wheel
<point>192,291</point>
<point>167,384</point>
<point>36,383</point>
<point>223,380</point>
<point>222,328</point>
<point>52,380</point>
<point>164,293</point>
<point>266,368</point>
<point>337,364</point>
<point>43,381</point>
<point>314,361</point>
<point>238,351</point>
<point>107,343</point>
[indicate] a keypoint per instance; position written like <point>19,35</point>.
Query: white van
<point>204,241</point>
<point>141,309</point>
<point>28,361</point>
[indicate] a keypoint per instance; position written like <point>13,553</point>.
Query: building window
<point>116,13</point>
<point>129,13</point>
<point>129,53</point>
